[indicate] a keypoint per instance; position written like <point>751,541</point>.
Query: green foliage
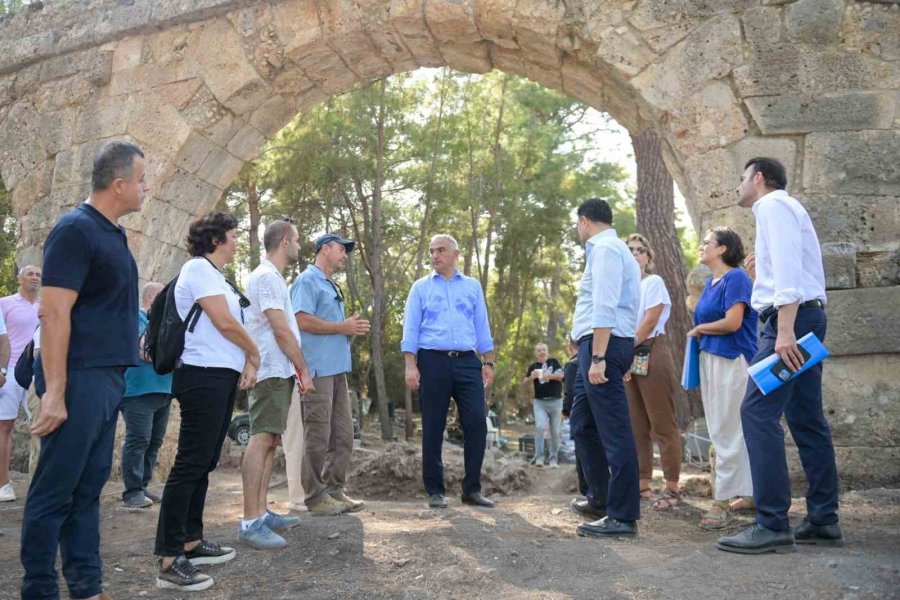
<point>500,162</point>
<point>8,230</point>
<point>10,6</point>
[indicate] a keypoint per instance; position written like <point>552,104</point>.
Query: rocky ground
<point>525,548</point>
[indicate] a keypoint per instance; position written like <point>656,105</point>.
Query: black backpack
<point>24,370</point>
<point>164,336</point>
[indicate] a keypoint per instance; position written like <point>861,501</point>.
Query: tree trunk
<point>253,214</point>
<point>377,249</point>
<point>655,205</point>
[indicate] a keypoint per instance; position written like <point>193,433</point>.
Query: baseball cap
<point>348,245</point>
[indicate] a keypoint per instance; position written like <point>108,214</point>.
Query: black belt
<point>768,313</point>
<point>612,337</point>
<point>450,353</point>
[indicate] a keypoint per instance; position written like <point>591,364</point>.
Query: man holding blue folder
<point>789,294</point>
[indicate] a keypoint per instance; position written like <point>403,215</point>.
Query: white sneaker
<point>7,494</point>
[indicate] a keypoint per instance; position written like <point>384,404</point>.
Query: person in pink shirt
<point>20,313</point>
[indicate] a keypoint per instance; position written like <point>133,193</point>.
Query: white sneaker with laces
<point>7,494</point>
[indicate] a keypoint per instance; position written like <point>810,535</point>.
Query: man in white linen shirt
<point>789,294</point>
<point>271,325</point>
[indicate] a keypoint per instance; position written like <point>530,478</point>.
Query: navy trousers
<point>602,428</point>
<point>800,401</point>
<point>146,420</point>
<point>63,506</point>
<point>443,377</point>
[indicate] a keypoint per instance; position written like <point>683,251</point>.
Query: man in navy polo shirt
<point>88,337</point>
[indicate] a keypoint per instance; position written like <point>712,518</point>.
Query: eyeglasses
<point>339,293</point>
<point>288,220</point>
<point>638,250</point>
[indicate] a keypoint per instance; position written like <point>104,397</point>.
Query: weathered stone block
<point>582,83</point>
<point>342,26</point>
<point>452,21</point>
<point>863,321</point>
<point>813,21</point>
<point>189,193</point>
<point>857,162</point>
<point>861,399</point>
<point>127,54</point>
<point>156,125</point>
<point>839,260</point>
<point>495,21</point>
<point>105,118</point>
<point>739,219</point>
<point>194,151</point>
<point>470,58</point>
<point>536,25</point>
<point>762,25</point>
<point>218,50</point>
<point>508,61</point>
<point>408,19</point>
<point>878,269</point>
<point>868,221</point>
<point>873,29</point>
<point>839,112</point>
<point>714,175</point>
<point>247,143</point>
<point>273,115</point>
<point>708,119</point>
<point>20,143</point>
<point>709,52</point>
<point>625,50</point>
<point>35,185</point>
<point>220,168</point>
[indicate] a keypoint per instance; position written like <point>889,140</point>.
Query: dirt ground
<point>525,548</point>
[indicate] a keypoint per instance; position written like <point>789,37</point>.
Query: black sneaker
<point>209,553</point>
<point>182,575</point>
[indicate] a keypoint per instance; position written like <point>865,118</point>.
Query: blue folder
<point>690,374</point>
<point>768,381</point>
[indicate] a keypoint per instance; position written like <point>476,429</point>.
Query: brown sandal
<point>668,500</point>
<point>743,504</point>
<point>718,517</point>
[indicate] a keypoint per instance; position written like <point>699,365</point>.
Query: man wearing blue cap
<point>318,304</point>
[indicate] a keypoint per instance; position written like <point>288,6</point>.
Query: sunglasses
<point>339,293</point>
<point>638,250</point>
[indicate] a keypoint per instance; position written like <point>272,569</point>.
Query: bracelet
<point>487,364</point>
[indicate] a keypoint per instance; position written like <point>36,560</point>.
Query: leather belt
<point>450,353</point>
<point>768,313</point>
<point>612,337</point>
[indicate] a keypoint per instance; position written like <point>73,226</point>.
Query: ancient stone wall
<point>201,84</point>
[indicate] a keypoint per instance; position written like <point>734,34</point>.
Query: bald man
<point>19,319</point>
<point>145,408</point>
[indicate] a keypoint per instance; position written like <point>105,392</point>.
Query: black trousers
<point>206,397</point>
<point>442,377</point>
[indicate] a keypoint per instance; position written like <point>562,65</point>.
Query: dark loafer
<point>437,501</point>
<point>757,539</point>
<point>584,508</point>
<point>823,535</point>
<point>607,527</point>
<point>477,499</point>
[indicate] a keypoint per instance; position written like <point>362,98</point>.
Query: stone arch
<point>202,84</point>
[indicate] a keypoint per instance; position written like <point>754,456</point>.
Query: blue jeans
<point>62,511</point>
<point>547,412</point>
<point>442,377</point>
<point>800,400</point>
<point>146,418</point>
<point>604,442</point>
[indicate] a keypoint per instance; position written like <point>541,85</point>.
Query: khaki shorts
<point>270,400</point>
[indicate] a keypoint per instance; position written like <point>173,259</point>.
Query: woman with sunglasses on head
<point>726,326</point>
<point>650,385</point>
<point>219,356</point>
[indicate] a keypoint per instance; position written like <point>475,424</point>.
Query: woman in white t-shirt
<point>650,386</point>
<point>219,356</point>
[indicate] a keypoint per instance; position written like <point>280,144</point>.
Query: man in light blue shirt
<point>445,329</point>
<point>318,304</point>
<point>604,324</point>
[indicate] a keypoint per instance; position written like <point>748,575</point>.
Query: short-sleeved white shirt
<point>205,346</point>
<point>2,324</point>
<point>654,293</point>
<point>37,338</point>
<point>267,290</point>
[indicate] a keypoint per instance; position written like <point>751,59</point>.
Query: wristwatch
<point>3,371</point>
<point>488,364</point>
<point>598,358</point>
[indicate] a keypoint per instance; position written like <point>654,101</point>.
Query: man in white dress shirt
<point>789,294</point>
